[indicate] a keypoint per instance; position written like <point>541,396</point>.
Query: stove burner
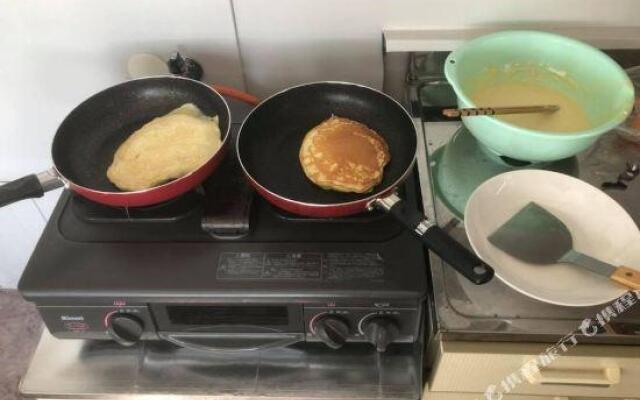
<point>514,162</point>
<point>631,172</point>
<point>363,217</point>
<point>463,164</point>
<point>216,212</point>
<point>167,212</point>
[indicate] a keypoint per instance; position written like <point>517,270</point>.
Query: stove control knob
<point>332,330</point>
<point>381,331</point>
<point>125,329</point>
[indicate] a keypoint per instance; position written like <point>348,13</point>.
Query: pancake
<point>165,148</point>
<point>344,155</point>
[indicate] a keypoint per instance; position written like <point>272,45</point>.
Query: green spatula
<point>536,236</point>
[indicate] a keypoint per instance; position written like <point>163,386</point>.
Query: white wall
<point>284,42</point>
<point>20,227</point>
<point>55,54</point>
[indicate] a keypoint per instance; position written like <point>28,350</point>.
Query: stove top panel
<point>221,241</point>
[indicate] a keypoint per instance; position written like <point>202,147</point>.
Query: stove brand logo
<point>119,303</point>
<point>76,326</point>
<point>72,318</point>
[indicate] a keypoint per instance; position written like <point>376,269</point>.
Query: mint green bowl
<point>593,80</point>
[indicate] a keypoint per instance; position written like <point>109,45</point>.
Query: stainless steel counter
<point>76,369</point>
<point>495,312</point>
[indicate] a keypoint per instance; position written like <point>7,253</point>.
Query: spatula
<point>536,236</point>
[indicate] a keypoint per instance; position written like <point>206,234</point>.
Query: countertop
<point>86,369</point>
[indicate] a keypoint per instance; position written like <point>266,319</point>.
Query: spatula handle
<point>627,277</point>
<point>480,111</point>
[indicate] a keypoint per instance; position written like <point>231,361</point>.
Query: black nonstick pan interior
<point>88,138</point>
<point>271,137</point>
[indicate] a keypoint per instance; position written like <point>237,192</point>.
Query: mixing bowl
<point>581,72</point>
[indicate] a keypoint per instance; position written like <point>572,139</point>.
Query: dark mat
<point>20,328</point>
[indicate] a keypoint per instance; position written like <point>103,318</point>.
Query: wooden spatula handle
<point>480,111</point>
<point>627,277</point>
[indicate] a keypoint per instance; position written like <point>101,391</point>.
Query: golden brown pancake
<point>166,148</point>
<point>344,155</point>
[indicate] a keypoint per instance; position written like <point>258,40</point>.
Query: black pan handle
<point>28,187</point>
<point>436,239</point>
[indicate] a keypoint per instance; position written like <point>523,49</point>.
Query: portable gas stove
<point>220,268</point>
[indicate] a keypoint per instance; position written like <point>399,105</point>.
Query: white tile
<point>421,39</point>
<point>285,42</point>
<point>21,225</point>
<point>47,203</point>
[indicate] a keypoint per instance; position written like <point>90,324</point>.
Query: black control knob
<point>125,329</point>
<point>381,331</point>
<point>332,330</point>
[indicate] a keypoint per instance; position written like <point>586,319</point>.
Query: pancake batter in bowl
<point>524,85</point>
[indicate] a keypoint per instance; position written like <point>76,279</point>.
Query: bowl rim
<point>450,72</point>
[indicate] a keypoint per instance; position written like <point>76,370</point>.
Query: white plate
<point>599,225</point>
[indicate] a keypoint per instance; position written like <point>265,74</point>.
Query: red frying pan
<point>87,139</point>
<point>269,142</point>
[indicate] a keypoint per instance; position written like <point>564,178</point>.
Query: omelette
<point>344,155</point>
<point>166,148</point>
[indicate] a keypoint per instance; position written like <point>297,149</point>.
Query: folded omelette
<point>166,148</point>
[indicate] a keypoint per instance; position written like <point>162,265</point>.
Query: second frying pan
<point>87,139</point>
<point>269,142</point>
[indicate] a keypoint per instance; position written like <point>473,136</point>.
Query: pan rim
<point>365,200</point>
<point>69,182</point>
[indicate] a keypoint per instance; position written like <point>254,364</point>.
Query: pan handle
<point>436,239</point>
<point>29,187</point>
<point>236,94</point>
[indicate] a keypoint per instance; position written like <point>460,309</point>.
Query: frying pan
<point>89,136</point>
<point>269,142</point>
